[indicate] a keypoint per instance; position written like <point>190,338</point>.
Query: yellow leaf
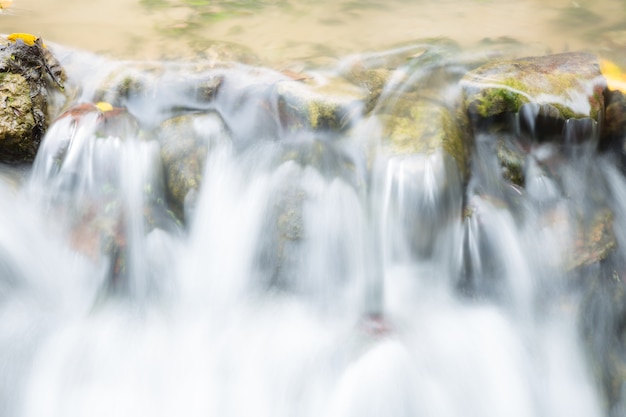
<point>103,106</point>
<point>28,38</point>
<point>615,77</point>
<point>5,4</point>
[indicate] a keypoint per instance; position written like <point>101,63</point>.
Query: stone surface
<point>185,142</point>
<point>318,104</point>
<point>27,71</point>
<point>571,83</point>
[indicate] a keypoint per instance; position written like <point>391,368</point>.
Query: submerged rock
<point>27,70</point>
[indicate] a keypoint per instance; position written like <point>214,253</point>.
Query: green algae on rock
<point>570,82</point>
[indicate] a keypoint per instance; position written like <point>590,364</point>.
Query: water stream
<point>312,273</point>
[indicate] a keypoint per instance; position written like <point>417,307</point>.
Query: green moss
<point>511,162</point>
<point>506,98</point>
<point>427,127</point>
<point>317,107</point>
<point>557,80</point>
<point>323,114</point>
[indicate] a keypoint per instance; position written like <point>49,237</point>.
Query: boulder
<point>185,142</point>
<point>154,92</point>
<point>544,90</point>
<point>318,104</point>
<point>422,127</point>
<point>27,71</point>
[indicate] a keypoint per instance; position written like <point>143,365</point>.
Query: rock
<point>157,92</point>
<point>427,168</point>
<point>414,66</point>
<point>318,104</point>
<point>27,70</point>
<point>373,82</point>
<point>594,240</point>
<point>512,161</point>
<point>557,87</point>
<point>422,127</point>
<point>185,142</point>
<point>103,182</point>
<point>603,318</point>
<point>615,117</point>
<point>613,138</point>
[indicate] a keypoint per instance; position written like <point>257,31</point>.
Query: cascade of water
<point>256,305</point>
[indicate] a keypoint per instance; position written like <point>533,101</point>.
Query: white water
<point>292,290</point>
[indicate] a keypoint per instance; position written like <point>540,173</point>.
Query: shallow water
<point>287,31</point>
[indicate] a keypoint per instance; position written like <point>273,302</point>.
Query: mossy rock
<point>512,161</point>
<point>422,128</point>
<point>372,81</point>
<point>18,130</point>
<point>26,74</point>
<point>319,105</point>
<point>185,142</point>
<point>570,82</point>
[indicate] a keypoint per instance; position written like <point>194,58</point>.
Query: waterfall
<point>310,274</point>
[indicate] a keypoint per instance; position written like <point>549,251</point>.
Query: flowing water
<point>315,274</point>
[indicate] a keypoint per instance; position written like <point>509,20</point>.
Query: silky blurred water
<point>314,273</point>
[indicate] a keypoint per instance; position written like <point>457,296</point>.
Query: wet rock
<point>512,161</point>
<point>311,170</point>
<point>615,119</point>
<point>318,104</point>
<point>553,88</point>
<point>594,240</point>
<point>613,138</point>
<point>102,180</point>
<point>27,72</point>
<point>185,142</point>
<point>603,323</point>
<point>422,127</point>
<point>373,82</point>
<point>283,237</point>
<point>409,67</point>
<point>156,92</point>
